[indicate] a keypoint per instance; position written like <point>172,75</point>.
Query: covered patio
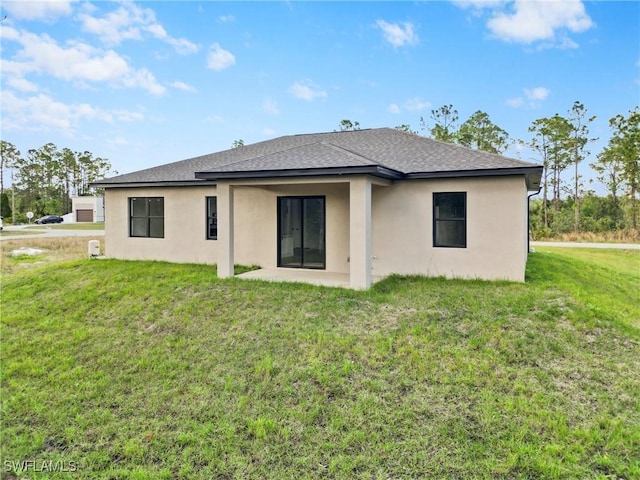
<point>296,275</point>
<point>359,231</point>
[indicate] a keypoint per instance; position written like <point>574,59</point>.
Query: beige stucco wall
<point>255,225</point>
<point>184,226</point>
<point>496,229</point>
<point>401,226</point>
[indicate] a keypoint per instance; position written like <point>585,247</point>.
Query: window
<point>450,220</point>
<point>212,218</point>
<point>146,217</point>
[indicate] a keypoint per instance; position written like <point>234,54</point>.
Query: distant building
<point>87,209</point>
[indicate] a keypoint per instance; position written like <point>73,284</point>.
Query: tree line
<point>45,180</point>
<point>560,143</point>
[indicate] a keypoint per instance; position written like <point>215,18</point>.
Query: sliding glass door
<point>301,223</point>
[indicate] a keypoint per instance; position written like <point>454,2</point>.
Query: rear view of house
<point>364,203</point>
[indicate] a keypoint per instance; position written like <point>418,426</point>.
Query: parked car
<point>1,224</point>
<point>49,219</point>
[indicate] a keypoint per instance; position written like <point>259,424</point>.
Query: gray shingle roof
<point>404,153</point>
<point>313,155</point>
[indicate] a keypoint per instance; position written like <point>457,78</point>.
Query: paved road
<point>49,232</point>
<point>621,246</point>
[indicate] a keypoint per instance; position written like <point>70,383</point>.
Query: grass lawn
<point>150,370</point>
<point>17,233</point>
<point>71,226</point>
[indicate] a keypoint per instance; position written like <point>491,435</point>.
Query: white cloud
<point>127,116</point>
<point>219,58</point>
<point>398,34</point>
<point>13,71</point>
<point>532,21</point>
<point>182,86</point>
<point>156,30</point>
<point>37,10</point>
<point>306,90</point>
<point>226,19</point>
<point>269,132</point>
<point>515,102</point>
<point>75,61</point>
<point>534,97</point>
<point>144,79</point>
<point>270,106</point>
<point>214,119</point>
<point>537,93</point>
<point>121,24</point>
<point>416,104</point>
<point>78,61</point>
<point>131,22</point>
<point>182,46</point>
<point>41,112</point>
<point>22,84</point>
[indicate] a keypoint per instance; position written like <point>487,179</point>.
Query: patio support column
<point>225,229</point>
<point>360,233</point>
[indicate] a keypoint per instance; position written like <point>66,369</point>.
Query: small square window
<point>146,217</point>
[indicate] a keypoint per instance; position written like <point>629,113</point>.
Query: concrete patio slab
<point>314,277</point>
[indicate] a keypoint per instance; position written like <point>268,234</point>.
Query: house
<point>87,209</point>
<point>363,204</point>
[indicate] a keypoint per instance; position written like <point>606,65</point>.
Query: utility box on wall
<point>94,248</point>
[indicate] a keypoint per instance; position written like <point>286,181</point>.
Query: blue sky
<point>146,83</point>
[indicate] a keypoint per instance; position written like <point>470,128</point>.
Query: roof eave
<point>532,174</point>
<point>374,170</point>
<point>164,183</point>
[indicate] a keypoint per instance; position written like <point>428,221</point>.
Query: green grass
<point>155,370</point>
<point>35,229</point>
<point>71,226</point>
<point>17,233</point>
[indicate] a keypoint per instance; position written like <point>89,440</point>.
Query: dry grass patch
<point>54,250</point>
<point>615,236</point>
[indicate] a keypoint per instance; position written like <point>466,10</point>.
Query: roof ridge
<point>248,159</point>
<point>294,147</point>
<point>334,132</point>
<point>358,156</point>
